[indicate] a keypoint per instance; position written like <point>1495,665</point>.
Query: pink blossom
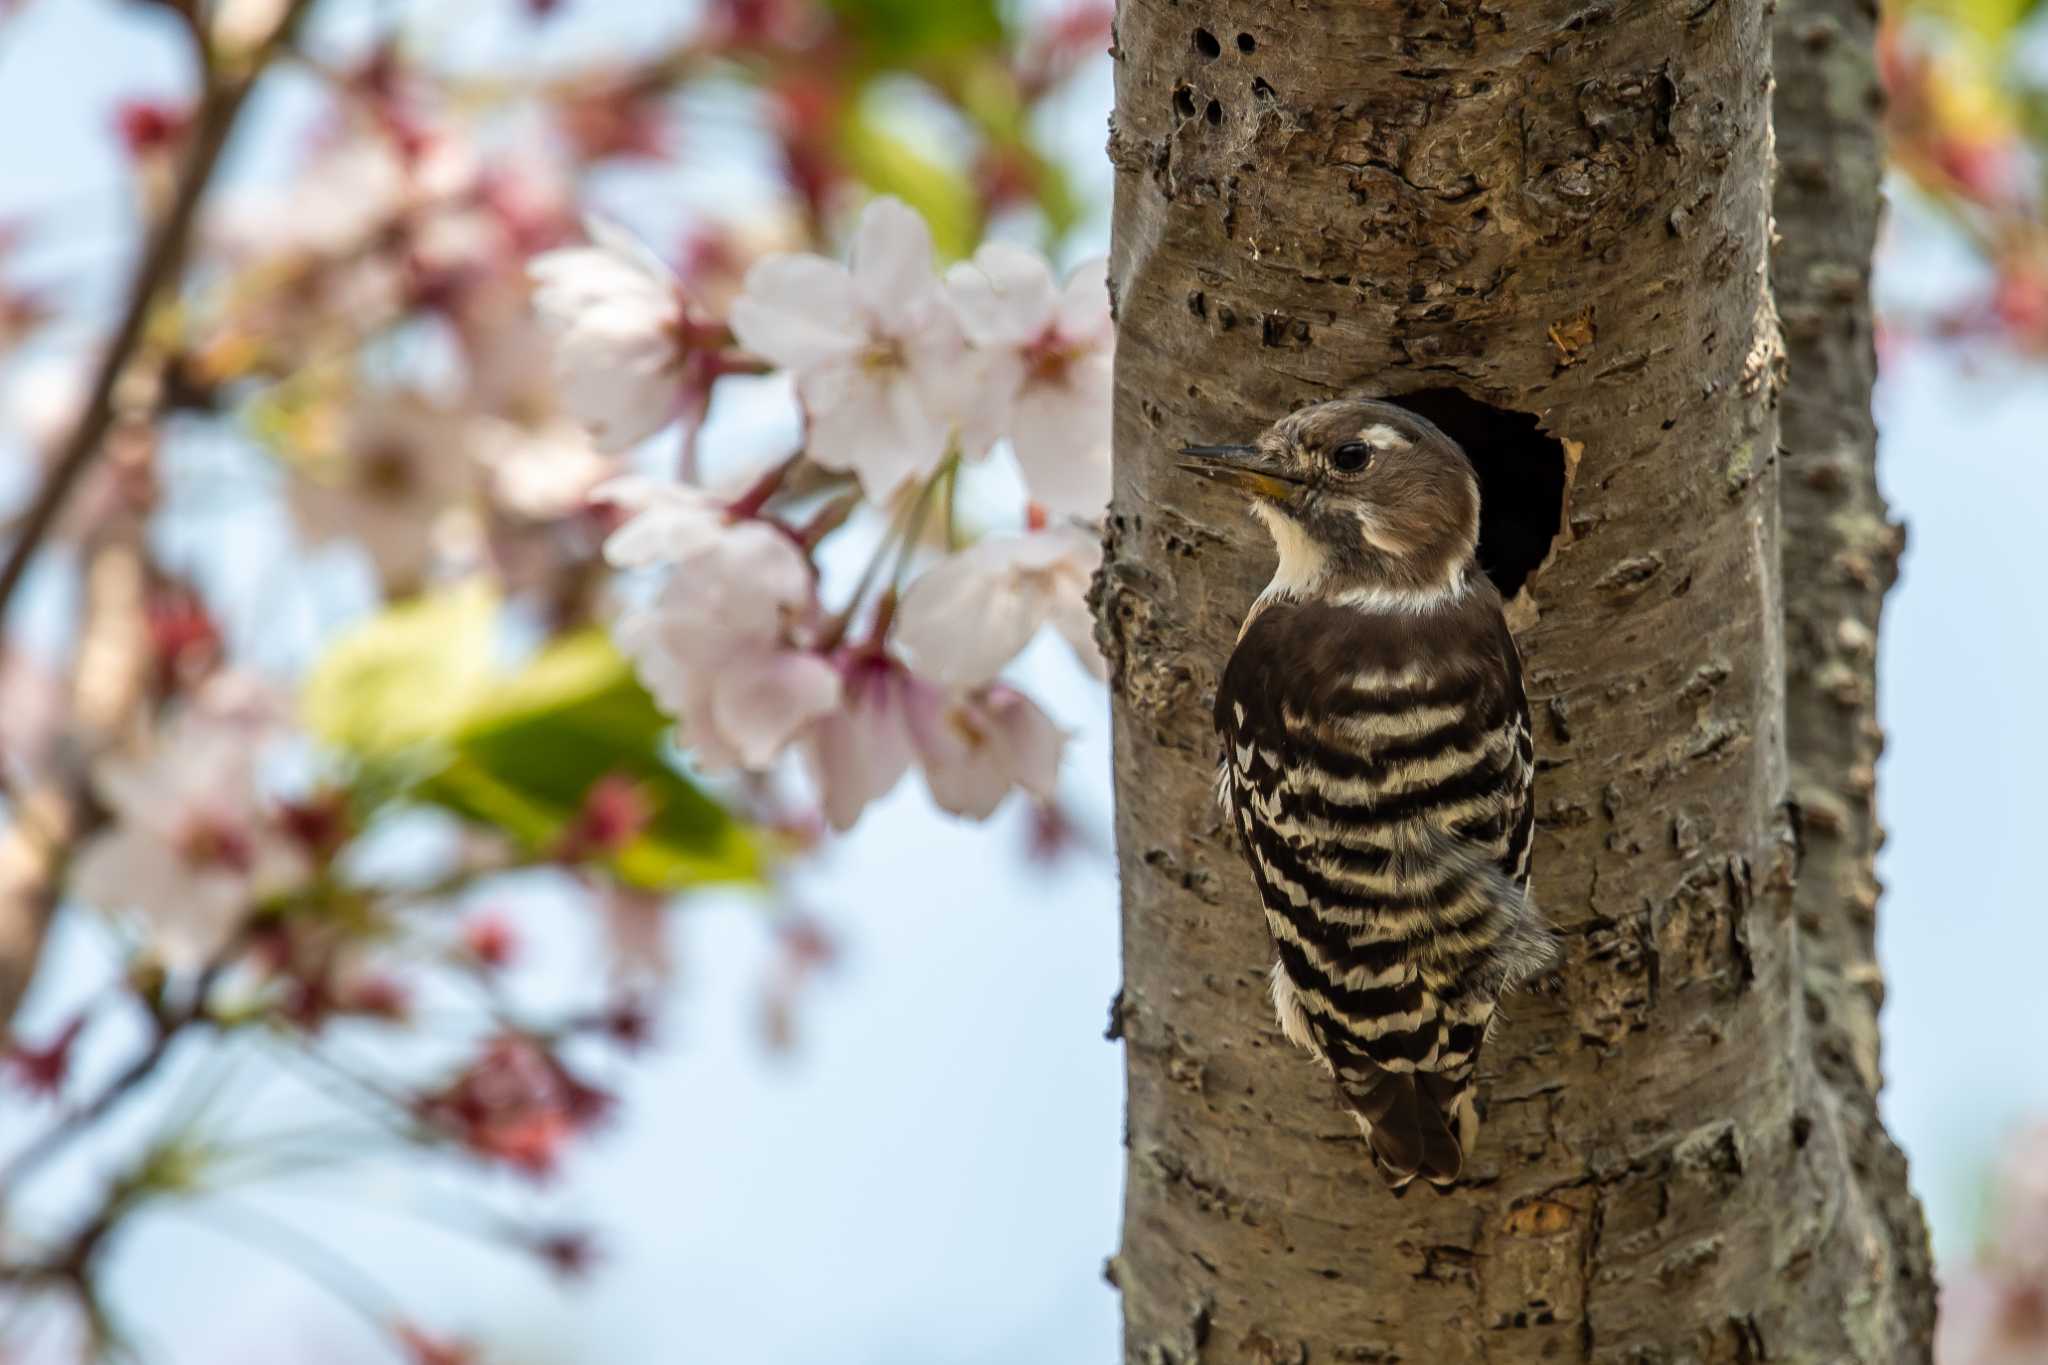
<point>880,363</point>
<point>977,748</point>
<point>402,469</point>
<point>616,315</point>
<point>973,748</point>
<point>192,845</point>
<point>967,616</point>
<point>718,646</point>
<point>1991,1318</point>
<point>860,751</point>
<point>1050,353</point>
<point>540,473</point>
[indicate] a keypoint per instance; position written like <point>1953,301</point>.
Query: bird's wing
<point>1386,814</point>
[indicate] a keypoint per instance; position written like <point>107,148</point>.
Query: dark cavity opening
<point>1214,113</point>
<point>1247,43</point>
<point>1206,44</point>
<point>1521,479</point>
<point>1184,102</point>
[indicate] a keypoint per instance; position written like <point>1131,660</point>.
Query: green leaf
<point>413,693</point>
<point>907,32</point>
<point>887,164</point>
<point>406,677</point>
<point>525,760</point>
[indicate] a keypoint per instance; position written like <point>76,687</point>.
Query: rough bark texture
<point>1559,208</point>
<point>1840,555</point>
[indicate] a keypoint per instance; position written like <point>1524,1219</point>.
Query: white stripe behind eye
<point>1382,435</point>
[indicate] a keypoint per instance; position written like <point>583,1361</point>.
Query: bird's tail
<point>1417,1123</point>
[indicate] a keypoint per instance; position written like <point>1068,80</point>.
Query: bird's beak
<point>1243,467</point>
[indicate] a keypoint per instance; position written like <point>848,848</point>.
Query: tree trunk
<point>1558,210</point>
<point>1840,555</point>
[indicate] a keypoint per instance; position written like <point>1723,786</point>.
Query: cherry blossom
<point>977,748</point>
<point>540,473</point>
<point>192,844</point>
<point>715,646</point>
<point>973,748</point>
<point>967,616</point>
<point>403,465</point>
<point>1988,1318</point>
<point>859,752</point>
<point>880,363</point>
<point>1049,353</point>
<point>616,315</point>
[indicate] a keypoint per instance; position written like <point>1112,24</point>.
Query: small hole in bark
<point>1184,102</point>
<point>1521,479</point>
<point>1206,44</point>
<point>1802,1130</point>
<point>1214,113</point>
<point>1247,43</point>
<point>1261,90</point>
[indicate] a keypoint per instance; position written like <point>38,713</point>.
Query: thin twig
<point>162,262</point>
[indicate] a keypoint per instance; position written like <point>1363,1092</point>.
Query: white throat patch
<point>1303,564</point>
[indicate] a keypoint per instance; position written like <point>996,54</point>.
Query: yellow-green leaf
<point>909,32</point>
<point>527,757</point>
<point>887,164</point>
<point>406,677</point>
<point>413,693</point>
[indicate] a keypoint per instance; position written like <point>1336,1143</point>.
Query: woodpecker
<point>1377,766</point>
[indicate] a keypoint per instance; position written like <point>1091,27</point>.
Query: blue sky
<point>934,1175</point>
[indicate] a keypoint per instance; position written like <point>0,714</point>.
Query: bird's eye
<point>1351,457</point>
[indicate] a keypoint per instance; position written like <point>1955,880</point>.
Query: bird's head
<point>1357,494</point>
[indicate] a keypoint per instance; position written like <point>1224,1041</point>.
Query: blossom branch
<point>162,261</point>
<point>52,817</point>
<point>49,817</point>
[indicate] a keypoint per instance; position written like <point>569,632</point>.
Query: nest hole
<point>1246,43</point>
<point>1206,44</point>
<point>1521,479</point>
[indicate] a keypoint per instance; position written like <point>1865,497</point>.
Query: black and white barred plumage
<point>1377,768</point>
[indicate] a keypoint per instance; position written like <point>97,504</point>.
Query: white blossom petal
<point>976,749</point>
<point>671,521</point>
<point>760,704</point>
<point>187,915</point>
<point>961,620</point>
<point>859,753</point>
<point>1061,432</point>
<point>1033,742</point>
<point>613,310</point>
<point>800,311</point>
<point>967,616</point>
<point>1082,318</point>
<point>1004,296</point>
<point>891,265</point>
<point>874,422</point>
<point>1075,623</point>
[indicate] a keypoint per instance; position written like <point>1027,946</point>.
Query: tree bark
<point>1558,208</point>
<point>1840,555</point>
